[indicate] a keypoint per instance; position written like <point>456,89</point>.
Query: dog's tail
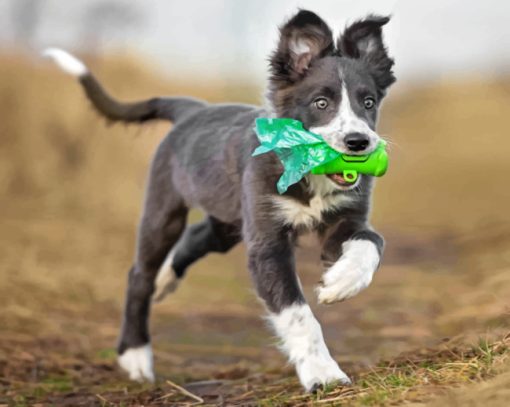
<point>166,108</point>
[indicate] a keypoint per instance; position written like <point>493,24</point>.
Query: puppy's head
<point>334,89</point>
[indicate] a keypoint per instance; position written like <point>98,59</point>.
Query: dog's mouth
<point>340,181</point>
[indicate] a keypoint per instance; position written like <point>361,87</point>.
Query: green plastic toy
<point>375,164</point>
<point>302,152</point>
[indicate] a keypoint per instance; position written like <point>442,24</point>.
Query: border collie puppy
<point>335,89</point>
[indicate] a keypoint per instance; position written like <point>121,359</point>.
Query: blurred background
<point>71,186</point>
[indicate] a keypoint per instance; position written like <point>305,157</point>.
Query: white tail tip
<point>67,62</point>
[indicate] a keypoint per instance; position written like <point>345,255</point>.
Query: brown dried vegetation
<point>71,190</point>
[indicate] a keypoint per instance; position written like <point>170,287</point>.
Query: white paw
<point>302,341</point>
<point>351,274</point>
<point>166,280</point>
<point>138,363</point>
<point>320,370</point>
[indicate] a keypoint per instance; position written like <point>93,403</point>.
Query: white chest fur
<point>296,213</point>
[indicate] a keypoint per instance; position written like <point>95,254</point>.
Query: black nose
<point>356,141</point>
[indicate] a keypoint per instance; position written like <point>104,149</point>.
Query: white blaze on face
<point>345,122</point>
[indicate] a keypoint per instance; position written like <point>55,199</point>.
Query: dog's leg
<point>210,235</point>
<point>353,252</point>
<point>162,223</point>
<point>271,263</point>
<point>154,241</point>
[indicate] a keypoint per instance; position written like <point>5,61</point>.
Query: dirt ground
<point>433,328</point>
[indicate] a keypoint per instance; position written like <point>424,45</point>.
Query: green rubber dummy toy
<point>302,152</point>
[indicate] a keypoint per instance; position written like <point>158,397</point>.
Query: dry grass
<point>56,150</point>
<point>412,377</point>
<point>73,188</point>
<point>494,392</point>
<point>448,155</point>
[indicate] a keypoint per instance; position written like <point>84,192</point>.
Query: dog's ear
<point>363,39</point>
<point>303,39</point>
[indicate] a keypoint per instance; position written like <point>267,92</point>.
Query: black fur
<point>206,162</point>
<point>154,108</point>
<point>286,65</point>
<point>210,235</point>
<point>363,40</point>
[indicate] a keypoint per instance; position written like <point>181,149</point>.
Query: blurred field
<point>71,186</point>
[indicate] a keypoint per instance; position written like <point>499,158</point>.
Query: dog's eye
<point>320,103</point>
<point>369,103</point>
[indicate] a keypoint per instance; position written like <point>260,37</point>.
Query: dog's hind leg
<point>210,235</point>
<point>162,223</point>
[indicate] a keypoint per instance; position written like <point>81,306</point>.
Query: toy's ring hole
<point>350,176</point>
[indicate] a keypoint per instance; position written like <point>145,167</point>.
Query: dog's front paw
<point>345,282</point>
<point>315,372</point>
<point>137,362</point>
<point>351,274</point>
